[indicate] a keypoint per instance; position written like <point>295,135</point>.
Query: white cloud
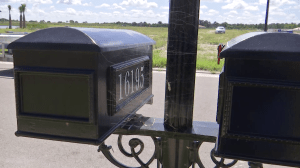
<point>116,13</point>
<point>240,4</point>
<point>105,14</point>
<point>277,3</point>
<point>295,7</point>
<point>291,16</point>
<point>73,2</point>
<point>276,11</point>
<point>136,13</point>
<point>164,7</point>
<point>46,2</point>
<point>116,6</point>
<point>216,1</point>
<point>52,7</point>
<point>212,12</point>
<point>103,5</point>
<point>139,3</point>
<point>201,12</point>
<point>233,12</point>
<point>68,11</point>
<point>246,13</point>
<point>203,7</point>
<point>29,1</point>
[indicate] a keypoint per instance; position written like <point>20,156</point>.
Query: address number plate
<point>128,80</point>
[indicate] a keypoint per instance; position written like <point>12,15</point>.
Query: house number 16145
<point>133,82</point>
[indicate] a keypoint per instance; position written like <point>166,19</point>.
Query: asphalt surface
<point>35,153</point>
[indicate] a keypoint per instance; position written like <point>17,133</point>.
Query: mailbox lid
<point>116,39</point>
<point>264,46</point>
<point>81,39</point>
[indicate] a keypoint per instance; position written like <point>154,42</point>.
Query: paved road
<point>35,153</point>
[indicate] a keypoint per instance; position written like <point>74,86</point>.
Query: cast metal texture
<point>153,127</point>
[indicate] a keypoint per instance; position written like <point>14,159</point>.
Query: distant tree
<point>216,24</point>
<point>134,23</point>
<point>76,22</point>
<point>224,24</point>
<point>71,21</point>
<point>48,22</point>
<point>201,22</point>
<point>9,8</point>
<point>20,10</point>
<point>159,22</point>
<point>59,22</point>
<point>118,22</point>
<point>23,10</point>
<point>42,21</point>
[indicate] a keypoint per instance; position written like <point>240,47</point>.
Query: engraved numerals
<point>130,82</point>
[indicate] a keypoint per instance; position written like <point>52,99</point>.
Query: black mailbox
<point>259,99</point>
<point>80,84</point>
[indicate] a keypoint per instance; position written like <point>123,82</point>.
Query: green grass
<point>207,41</point>
<point>158,61</point>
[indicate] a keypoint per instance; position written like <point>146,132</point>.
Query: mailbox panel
<point>66,95</point>
<point>259,103</point>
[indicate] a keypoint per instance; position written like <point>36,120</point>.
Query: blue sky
<point>152,11</point>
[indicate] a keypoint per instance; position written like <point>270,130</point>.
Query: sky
<point>152,11</point>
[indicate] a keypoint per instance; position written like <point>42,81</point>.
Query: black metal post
<point>267,15</point>
<point>180,79</point>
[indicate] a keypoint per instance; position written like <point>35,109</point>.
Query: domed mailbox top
<point>81,39</point>
<point>262,45</point>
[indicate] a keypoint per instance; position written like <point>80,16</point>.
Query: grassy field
<point>207,41</point>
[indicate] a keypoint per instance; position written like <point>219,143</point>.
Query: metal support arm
<point>154,127</point>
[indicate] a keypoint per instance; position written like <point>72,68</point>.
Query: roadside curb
<point>154,69</point>
<point>197,71</point>
<point>6,62</point>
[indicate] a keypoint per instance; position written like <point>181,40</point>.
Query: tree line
<point>215,24</point>
<point>22,10</point>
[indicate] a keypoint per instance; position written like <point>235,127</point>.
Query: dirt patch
<point>208,51</point>
<point>211,31</point>
<point>163,52</point>
<point>151,36</point>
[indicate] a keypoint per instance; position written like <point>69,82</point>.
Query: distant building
<point>296,29</point>
<point>202,27</point>
<point>272,30</point>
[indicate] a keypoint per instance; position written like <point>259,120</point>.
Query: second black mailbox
<point>80,84</point>
<point>259,99</point>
